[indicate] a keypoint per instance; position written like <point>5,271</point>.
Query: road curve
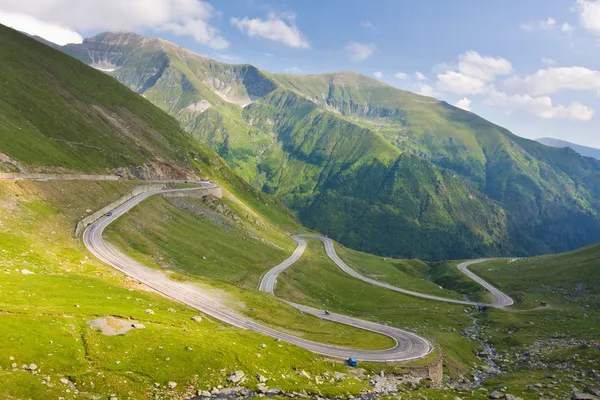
<point>409,346</point>
<point>269,280</point>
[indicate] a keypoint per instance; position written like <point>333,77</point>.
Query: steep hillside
<point>377,168</point>
<point>583,150</point>
<point>59,115</point>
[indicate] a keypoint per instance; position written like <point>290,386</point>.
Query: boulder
<point>592,390</point>
<point>197,318</point>
<point>138,326</point>
<point>262,388</point>
<point>583,396</point>
<point>511,397</point>
<point>172,385</point>
<point>305,374</point>
<point>261,378</point>
<point>496,395</point>
<point>236,376</point>
<point>149,311</point>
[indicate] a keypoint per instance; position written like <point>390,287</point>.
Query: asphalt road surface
<point>269,280</point>
<point>409,346</point>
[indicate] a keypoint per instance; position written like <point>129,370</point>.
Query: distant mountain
<point>379,169</point>
<point>583,150</point>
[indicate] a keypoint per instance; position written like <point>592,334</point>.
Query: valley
<point>155,205</point>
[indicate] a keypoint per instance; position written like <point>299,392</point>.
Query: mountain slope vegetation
<point>59,115</point>
<point>377,168</point>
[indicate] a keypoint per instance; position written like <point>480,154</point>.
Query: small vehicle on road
<point>326,312</point>
<point>351,362</point>
<point>109,214</point>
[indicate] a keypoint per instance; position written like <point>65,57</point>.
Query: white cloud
<point>179,17</point>
<point>566,28</point>
<point>548,24</point>
<point>367,24</point>
<point>542,107</point>
<point>280,28</point>
<point>269,55</point>
<point>548,61</point>
<point>544,25</point>
<point>459,83</point>
<point>378,74</point>
<point>360,51</point>
<point>551,80</point>
<point>54,33</point>
<point>464,103</point>
<point>474,65</point>
<point>420,76</point>
<point>589,15</point>
<point>427,90</point>
<point>400,75</point>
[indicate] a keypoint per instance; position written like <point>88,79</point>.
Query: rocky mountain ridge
<point>377,168</point>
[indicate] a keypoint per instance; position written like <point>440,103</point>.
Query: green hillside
<point>59,115</point>
<point>81,120</point>
<point>379,169</point>
<point>570,279</point>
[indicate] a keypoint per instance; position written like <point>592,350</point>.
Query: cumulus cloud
<point>549,24</point>
<point>542,107</point>
<point>474,65</point>
<point>551,80</point>
<point>472,73</point>
<point>378,74</point>
<point>279,28</point>
<point>54,33</point>
<point>566,28</point>
<point>179,17</point>
<point>464,103</point>
<point>358,52</point>
<point>459,83</point>
<point>545,25</point>
<point>420,76</point>
<point>589,15</point>
<point>427,90</point>
<point>400,75</point>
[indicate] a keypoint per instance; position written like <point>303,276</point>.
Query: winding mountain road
<point>270,278</point>
<point>409,346</point>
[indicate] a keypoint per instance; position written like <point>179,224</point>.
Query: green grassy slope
<point>57,112</point>
<point>376,168</point>
<point>568,279</point>
<point>43,316</point>
<point>214,241</point>
<point>59,115</point>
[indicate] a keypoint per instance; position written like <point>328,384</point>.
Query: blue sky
<point>530,66</point>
